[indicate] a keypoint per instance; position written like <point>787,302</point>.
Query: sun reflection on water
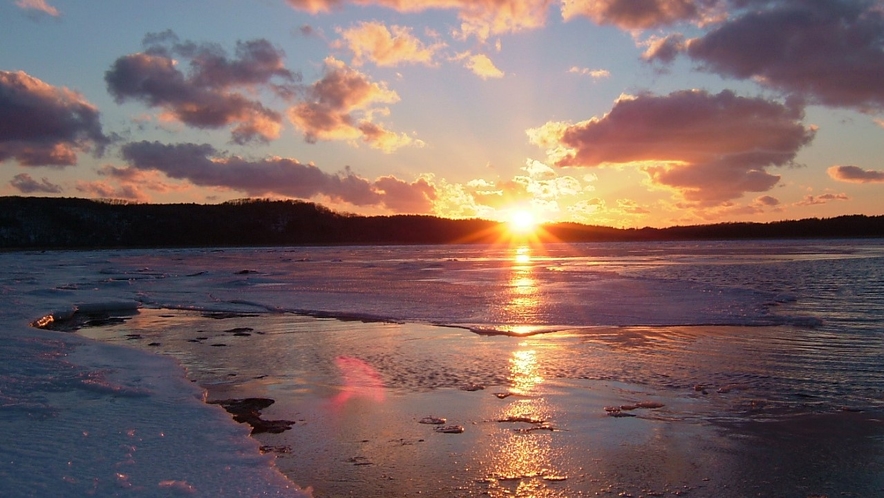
<point>523,371</point>
<point>522,462</point>
<point>523,300</point>
<point>523,255</point>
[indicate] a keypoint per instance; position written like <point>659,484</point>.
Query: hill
<point>34,222</point>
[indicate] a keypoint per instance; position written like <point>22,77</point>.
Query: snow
<point>82,418</point>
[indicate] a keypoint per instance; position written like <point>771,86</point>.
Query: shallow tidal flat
<point>389,409</point>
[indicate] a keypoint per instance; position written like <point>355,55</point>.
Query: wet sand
<point>359,392</point>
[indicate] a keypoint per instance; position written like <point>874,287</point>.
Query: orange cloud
<point>708,148</point>
<point>383,46</point>
<point>479,18</point>
<point>540,187</point>
<point>480,65</point>
<point>340,106</point>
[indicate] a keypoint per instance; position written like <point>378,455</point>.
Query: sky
<point>624,113</point>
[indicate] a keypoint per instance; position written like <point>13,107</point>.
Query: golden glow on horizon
<point>522,221</point>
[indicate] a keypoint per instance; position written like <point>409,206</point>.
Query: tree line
<point>47,223</point>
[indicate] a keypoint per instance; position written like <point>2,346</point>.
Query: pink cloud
<point>766,200</point>
<point>218,91</point>
<point>404,197</point>
<point>664,49</point>
<point>105,190</point>
<point>39,6</point>
<point>340,106</point>
<point>383,46</point>
<point>632,14</point>
<point>827,51</point>
<point>855,174</point>
<point>812,200</point>
<point>44,125</point>
<point>480,18</point>
<point>202,165</point>
<point>27,185</point>
<point>709,148</point>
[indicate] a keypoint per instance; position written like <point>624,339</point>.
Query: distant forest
<point>69,223</point>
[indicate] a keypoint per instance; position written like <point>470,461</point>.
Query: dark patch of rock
<point>248,411</point>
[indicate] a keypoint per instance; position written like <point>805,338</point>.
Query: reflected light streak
<point>523,255</point>
<point>522,463</point>
<point>523,371</point>
<point>523,300</point>
<point>359,380</point>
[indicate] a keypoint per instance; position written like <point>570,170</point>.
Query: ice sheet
<point>83,418</point>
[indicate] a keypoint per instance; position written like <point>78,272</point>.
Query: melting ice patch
<point>83,418</point>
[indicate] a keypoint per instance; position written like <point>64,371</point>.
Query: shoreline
<point>528,433</point>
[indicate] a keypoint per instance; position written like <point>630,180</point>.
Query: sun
<point>522,222</point>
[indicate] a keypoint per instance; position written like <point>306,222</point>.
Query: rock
<point>649,404</point>
<point>450,429</point>
<point>239,330</point>
<point>248,411</point>
<point>432,420</point>
<point>522,418</point>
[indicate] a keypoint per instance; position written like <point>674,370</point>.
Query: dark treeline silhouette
<point>32,222</point>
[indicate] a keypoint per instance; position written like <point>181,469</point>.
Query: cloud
<point>638,14</point>
<point>480,65</point>
<point>104,190</point>
<point>213,93</point>
<point>629,206</point>
<point>404,197</point>
<point>828,51</point>
<point>388,47</point>
<point>766,200</point>
<point>341,105</point>
<point>539,186</point>
<point>710,148</point>
<point>39,6</point>
<point>43,125</point>
<point>854,174</point>
<point>812,200</point>
<point>202,165</point>
<point>479,18</point>
<point>664,49</point>
<point>595,74</point>
<point>27,185</point>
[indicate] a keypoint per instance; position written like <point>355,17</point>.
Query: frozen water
<point>84,417</point>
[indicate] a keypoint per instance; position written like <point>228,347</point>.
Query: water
<point>742,342</point>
